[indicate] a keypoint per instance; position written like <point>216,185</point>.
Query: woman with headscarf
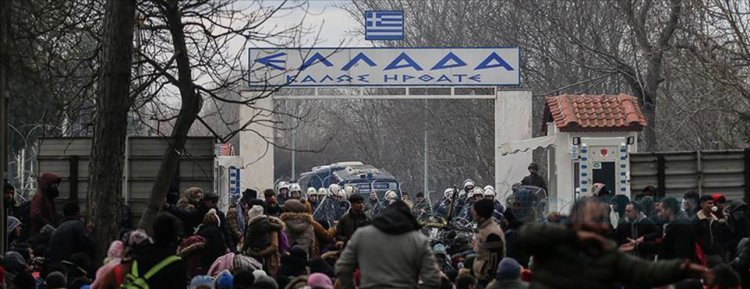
<point>114,256</point>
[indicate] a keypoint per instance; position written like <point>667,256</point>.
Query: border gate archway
<point>318,75</point>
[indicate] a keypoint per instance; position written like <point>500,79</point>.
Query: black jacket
<point>71,238</point>
<point>643,227</point>
<point>215,244</point>
<point>349,223</point>
<point>711,234</point>
<point>223,225</point>
<point>677,242</point>
<point>534,180</point>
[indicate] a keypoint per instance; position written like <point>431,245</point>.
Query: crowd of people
<point>337,237</point>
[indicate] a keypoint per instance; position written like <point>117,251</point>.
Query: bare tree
<point>112,106</point>
<point>195,47</point>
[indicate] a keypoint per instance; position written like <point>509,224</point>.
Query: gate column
<point>513,118</point>
<point>255,147</point>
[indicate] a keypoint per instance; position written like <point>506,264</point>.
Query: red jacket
<point>43,205</point>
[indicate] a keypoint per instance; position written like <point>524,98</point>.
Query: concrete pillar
<point>512,122</point>
<point>255,147</point>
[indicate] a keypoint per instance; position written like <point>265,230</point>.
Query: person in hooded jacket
<point>43,204</point>
<point>262,239</point>
<point>634,225</point>
<point>302,230</point>
<point>215,243</point>
<point>409,261</point>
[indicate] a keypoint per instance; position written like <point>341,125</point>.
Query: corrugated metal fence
<point>674,173</point>
<point>69,158</point>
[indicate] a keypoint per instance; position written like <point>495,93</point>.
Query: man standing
<point>43,203</point>
<point>283,193</point>
<point>211,201</point>
<point>489,241</point>
<point>408,260</point>
<point>634,226</point>
<point>577,255</point>
<point>271,206</point>
<point>353,220</point>
<point>691,204</point>
<point>421,207</point>
<point>678,239</point>
<point>71,237</point>
<point>711,232</point>
<point>534,179</point>
<point>373,205</point>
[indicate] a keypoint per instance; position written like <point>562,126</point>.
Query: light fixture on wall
<point>576,140</point>
<point>631,140</point>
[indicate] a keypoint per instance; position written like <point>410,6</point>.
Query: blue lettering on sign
<point>363,78</point>
<point>444,78</point>
<point>344,78</point>
<point>386,77</point>
<point>355,59</point>
<point>271,60</point>
<point>403,57</point>
<point>476,77</point>
<point>328,77</point>
<point>443,63</point>
<point>308,78</point>
<point>460,77</point>
<point>499,62</point>
<point>312,60</point>
<point>407,77</point>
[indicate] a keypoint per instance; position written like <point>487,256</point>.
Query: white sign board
<point>384,67</point>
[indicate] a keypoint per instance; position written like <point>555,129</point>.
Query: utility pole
<point>4,61</point>
<point>294,142</point>
<point>426,157</point>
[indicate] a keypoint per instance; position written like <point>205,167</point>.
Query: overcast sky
<point>336,26</point>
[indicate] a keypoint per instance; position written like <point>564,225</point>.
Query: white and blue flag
<point>384,25</point>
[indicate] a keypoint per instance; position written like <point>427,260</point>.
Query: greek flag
<point>384,25</point>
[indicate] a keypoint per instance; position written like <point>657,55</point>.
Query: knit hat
<point>55,280</point>
<point>12,224</point>
<point>255,211</point>
<point>225,280</point>
<point>265,282</point>
<point>319,281</point>
<point>294,206</point>
<point>484,208</point>
<point>508,269</point>
<point>202,280</point>
<point>212,218</point>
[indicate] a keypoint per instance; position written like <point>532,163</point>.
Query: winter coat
<point>409,257</point>
<point>43,203</point>
<point>349,223</point>
<point>233,224</point>
<point>741,263</point>
<point>562,261</point>
<point>507,284</point>
<point>642,227</point>
<point>215,244</point>
<point>490,248</point>
<point>676,242</point>
<point>534,180</point>
<point>711,233</point>
<point>300,231</point>
<point>223,225</point>
<point>262,241</point>
<point>71,238</point>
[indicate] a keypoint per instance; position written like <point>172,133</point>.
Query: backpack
<point>133,281</point>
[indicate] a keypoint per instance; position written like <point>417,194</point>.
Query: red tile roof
<point>598,113</point>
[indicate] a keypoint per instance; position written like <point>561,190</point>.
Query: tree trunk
<point>191,106</point>
<point>110,128</point>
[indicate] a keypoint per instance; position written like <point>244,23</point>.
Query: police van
<point>365,178</point>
